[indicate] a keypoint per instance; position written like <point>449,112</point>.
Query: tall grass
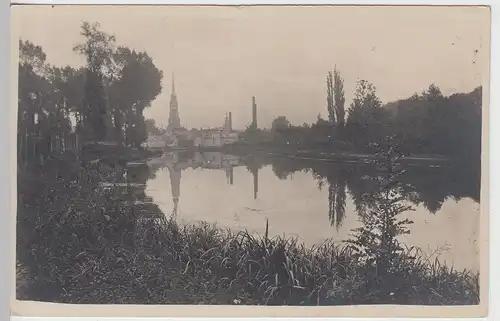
<point>78,245</point>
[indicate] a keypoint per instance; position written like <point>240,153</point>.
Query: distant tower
<point>254,113</point>
<point>175,186</point>
<point>228,121</point>
<point>174,121</point>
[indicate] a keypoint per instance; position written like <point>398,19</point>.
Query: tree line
<point>426,123</point>
<point>103,100</point>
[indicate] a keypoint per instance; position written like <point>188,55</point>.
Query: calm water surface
<point>313,202</point>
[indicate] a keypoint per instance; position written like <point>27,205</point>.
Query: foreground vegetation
<point>87,245</point>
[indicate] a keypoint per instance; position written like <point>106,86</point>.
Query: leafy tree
<point>339,98</point>
<point>375,243</point>
<point>137,86</point>
<point>110,92</point>
<point>32,56</point>
<point>335,98</point>
<point>409,122</point>
<point>95,109</point>
<point>430,123</point>
<point>329,98</point>
<point>33,86</point>
<point>320,121</point>
<point>46,102</point>
<point>366,119</point>
<point>97,49</point>
<point>120,84</point>
<point>152,128</point>
<point>282,132</point>
<point>280,123</point>
<point>433,93</point>
<point>70,84</point>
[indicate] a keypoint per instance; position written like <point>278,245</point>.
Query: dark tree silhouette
<point>97,49</point>
<point>330,104</point>
<point>138,84</point>
<point>339,99</point>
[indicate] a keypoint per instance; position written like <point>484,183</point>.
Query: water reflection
<point>175,187</point>
<point>224,189</point>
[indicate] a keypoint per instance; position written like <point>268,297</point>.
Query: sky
<point>222,56</point>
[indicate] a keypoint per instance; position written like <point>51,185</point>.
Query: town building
<point>215,138</point>
<point>178,137</point>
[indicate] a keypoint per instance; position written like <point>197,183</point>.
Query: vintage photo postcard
<point>252,160</point>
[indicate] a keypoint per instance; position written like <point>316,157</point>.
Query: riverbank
<point>89,246</point>
<point>331,157</point>
<point>355,158</point>
<point>322,155</point>
<point>115,152</point>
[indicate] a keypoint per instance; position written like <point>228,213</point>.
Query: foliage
<point>139,84</point>
<point>95,110</point>
<point>339,98</point>
<point>45,104</point>
<point>376,241</point>
<point>366,117</point>
<point>329,98</point>
<point>90,245</point>
<point>426,124</point>
<point>97,48</point>
<point>69,86</point>
<point>335,98</point>
<point>32,56</point>
<point>104,100</point>
<point>152,128</point>
<point>280,123</point>
<point>430,123</point>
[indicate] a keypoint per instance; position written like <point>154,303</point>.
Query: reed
<point>161,262</point>
<point>78,245</point>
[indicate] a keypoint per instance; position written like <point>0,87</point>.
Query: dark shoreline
<point>320,156</point>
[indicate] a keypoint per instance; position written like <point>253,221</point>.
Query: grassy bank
<point>78,244</point>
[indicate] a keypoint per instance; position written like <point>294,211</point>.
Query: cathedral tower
<point>174,121</point>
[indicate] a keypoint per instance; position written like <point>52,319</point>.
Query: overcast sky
<point>222,56</point>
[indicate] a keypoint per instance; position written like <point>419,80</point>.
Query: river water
<point>315,201</point>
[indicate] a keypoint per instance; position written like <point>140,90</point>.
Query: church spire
<point>174,121</point>
<point>173,84</point>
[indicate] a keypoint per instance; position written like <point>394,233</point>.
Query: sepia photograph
<point>250,155</point>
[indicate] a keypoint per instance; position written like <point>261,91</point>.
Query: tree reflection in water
<point>336,183</point>
<point>420,185</point>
